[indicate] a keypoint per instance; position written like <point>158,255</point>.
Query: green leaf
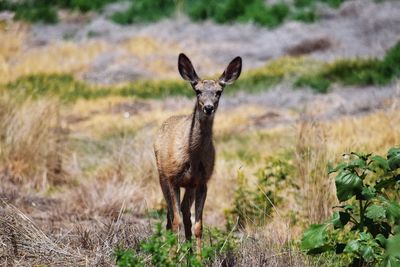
<point>392,255</point>
<point>367,252</point>
<point>315,237</point>
<point>393,211</point>
<point>376,213</point>
<point>352,247</point>
<point>338,167</point>
<point>349,208</point>
<point>361,155</point>
<point>390,261</point>
<point>358,163</point>
<point>387,183</point>
<point>340,219</point>
<point>368,193</point>
<point>393,157</point>
<point>380,162</point>
<point>348,184</point>
<point>381,240</point>
<point>393,246</point>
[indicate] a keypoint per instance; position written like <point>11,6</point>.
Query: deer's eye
<point>218,93</point>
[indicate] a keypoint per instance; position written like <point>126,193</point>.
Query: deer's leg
<point>201,194</point>
<point>187,202</point>
<point>168,198</point>
<point>176,206</point>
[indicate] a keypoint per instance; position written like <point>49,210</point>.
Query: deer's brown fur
<point>185,152</point>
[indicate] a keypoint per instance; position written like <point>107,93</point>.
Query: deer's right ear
<point>186,69</point>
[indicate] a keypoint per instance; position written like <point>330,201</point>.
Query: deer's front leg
<point>176,207</point>
<point>187,202</point>
<point>201,194</point>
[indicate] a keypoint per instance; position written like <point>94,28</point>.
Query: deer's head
<point>208,91</point>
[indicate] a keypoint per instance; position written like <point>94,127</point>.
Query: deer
<point>185,153</point>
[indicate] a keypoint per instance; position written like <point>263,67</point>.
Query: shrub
<point>164,249</point>
<point>46,11</point>
<point>355,72</point>
<point>84,5</point>
<point>35,11</point>
<point>306,15</point>
<point>202,10</point>
<point>316,82</point>
<point>253,206</point>
<point>366,227</point>
<point>145,11</point>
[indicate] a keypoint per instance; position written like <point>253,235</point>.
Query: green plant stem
<point>361,216</point>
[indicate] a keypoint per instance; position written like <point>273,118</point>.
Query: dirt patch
<point>309,46</point>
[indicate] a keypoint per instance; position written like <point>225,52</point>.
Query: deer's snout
<point>208,109</point>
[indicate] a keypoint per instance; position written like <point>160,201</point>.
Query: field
<point>81,100</point>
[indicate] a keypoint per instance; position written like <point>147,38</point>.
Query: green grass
<point>360,72</point>
<point>59,85</point>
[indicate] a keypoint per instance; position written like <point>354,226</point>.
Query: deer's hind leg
<point>201,194</point>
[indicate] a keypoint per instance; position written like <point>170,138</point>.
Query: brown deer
<point>185,152</point>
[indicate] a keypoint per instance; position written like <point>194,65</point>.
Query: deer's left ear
<point>232,72</point>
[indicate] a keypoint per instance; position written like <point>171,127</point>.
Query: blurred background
<point>84,85</point>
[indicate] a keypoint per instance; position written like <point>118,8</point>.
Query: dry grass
<point>154,55</point>
<point>64,57</point>
<point>17,60</point>
<point>311,157</point>
<point>87,243</point>
<point>31,142</point>
<point>127,177</point>
<point>21,239</point>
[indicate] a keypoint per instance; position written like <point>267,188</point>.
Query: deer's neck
<point>201,130</point>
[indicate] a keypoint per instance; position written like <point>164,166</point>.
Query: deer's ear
<point>232,72</point>
<point>186,69</point>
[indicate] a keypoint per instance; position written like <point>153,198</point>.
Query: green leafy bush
<point>145,11</point>
<point>225,11</point>
<point>306,15</point>
<point>164,249</point>
<point>366,226</point>
<point>33,11</point>
<point>318,83</point>
<point>238,10</point>
<point>46,11</point>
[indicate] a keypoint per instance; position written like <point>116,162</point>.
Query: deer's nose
<point>208,109</point>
